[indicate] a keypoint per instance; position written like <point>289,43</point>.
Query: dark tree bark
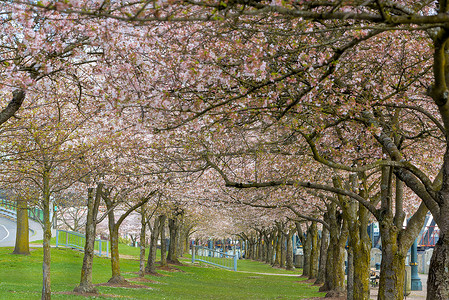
<point>173,227</point>
<point>438,278</point>
<point>13,106</point>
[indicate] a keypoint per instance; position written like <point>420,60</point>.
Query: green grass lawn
<point>21,278</point>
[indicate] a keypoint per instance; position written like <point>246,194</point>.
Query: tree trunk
<point>313,230</point>
<point>266,249</point>
<point>335,271</point>
<point>438,280</point>
<point>302,239</point>
<point>324,244</point>
<point>249,249</point>
<point>253,244</point>
<point>339,262</point>
<point>143,236</point>
<point>263,246</point>
<point>360,245</point>
<point>113,233</point>
<point>46,282</point>
<point>270,250</point>
<point>22,245</point>
<point>115,257</point>
<point>86,285</point>
<point>395,241</point>
<point>113,236</point>
<point>361,267</point>
<point>180,240</point>
<point>163,240</point>
<point>392,269</point>
<point>328,278</point>
<point>255,249</point>
<point>361,263</point>
<point>289,260</point>
<point>260,248</point>
<point>357,217</point>
<point>187,241</point>
<point>172,256</point>
<point>151,263</point>
<point>277,249</point>
<point>283,250</point>
<point>307,250</point>
<point>350,275</point>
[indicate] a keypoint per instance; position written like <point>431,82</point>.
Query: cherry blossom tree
<point>287,71</point>
<point>45,154</point>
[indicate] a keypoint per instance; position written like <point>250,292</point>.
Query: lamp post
<point>416,281</point>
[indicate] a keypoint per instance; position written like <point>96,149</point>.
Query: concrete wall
<point>424,261</point>
<point>376,257</point>
<point>298,260</point>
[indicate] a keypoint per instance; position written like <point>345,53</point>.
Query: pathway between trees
<point>414,295</point>
<point>257,273</point>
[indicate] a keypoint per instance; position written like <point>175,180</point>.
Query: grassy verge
<point>21,278</point>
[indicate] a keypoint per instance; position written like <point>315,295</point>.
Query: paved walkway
<point>275,274</point>
<point>414,295</point>
<point>8,231</point>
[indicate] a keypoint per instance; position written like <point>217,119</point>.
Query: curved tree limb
<point>13,106</point>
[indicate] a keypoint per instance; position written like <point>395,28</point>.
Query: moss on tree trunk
<point>23,231</point>
<point>314,252</point>
<point>115,257</point>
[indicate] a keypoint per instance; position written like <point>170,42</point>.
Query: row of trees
<point>319,103</point>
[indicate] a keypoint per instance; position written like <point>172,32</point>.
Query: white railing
<point>214,257</point>
<point>76,240</point>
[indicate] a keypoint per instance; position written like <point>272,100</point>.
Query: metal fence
<point>214,257</point>
<point>8,213</point>
<point>429,237</point>
<point>76,240</point>
<point>34,213</point>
